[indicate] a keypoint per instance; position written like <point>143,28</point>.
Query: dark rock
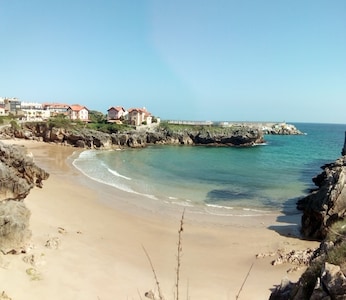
<point>326,205</point>
<point>343,152</point>
<point>243,136</point>
<point>18,175</point>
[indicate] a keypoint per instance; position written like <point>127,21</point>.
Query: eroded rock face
<point>326,205</point>
<point>18,175</point>
<point>330,283</point>
<point>244,136</point>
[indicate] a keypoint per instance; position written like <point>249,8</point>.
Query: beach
<point>98,235</point>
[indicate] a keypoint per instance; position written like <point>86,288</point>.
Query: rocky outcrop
<point>326,205</point>
<point>18,175</point>
<point>280,129</point>
<point>321,280</point>
<point>85,138</point>
<point>343,151</point>
<point>325,277</point>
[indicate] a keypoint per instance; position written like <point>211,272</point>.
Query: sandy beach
<point>97,235</point>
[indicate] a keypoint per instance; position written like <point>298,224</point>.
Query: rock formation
<point>343,152</point>
<point>18,175</point>
<point>325,277</point>
<point>242,136</point>
<point>326,205</point>
<point>322,280</point>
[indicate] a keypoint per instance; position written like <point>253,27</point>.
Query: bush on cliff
<point>108,127</point>
<point>60,121</point>
<point>332,251</point>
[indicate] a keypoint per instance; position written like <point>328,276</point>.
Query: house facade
<point>137,116</point>
<point>115,113</point>
<point>56,108</point>
<point>78,112</point>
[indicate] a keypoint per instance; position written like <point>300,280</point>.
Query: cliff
<point>324,211</point>
<point>241,136</point>
<point>327,204</point>
<point>18,175</point>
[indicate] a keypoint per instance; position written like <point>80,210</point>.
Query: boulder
<point>18,175</point>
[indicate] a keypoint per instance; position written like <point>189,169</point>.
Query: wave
<point>116,173</point>
<point>220,210</point>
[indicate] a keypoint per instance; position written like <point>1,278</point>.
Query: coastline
<point>102,231</point>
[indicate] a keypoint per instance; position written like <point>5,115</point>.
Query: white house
<point>115,113</point>
<point>78,112</point>
<point>137,116</point>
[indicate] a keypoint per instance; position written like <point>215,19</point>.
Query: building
<point>56,108</point>
<point>78,112</point>
<point>115,113</point>
<point>12,105</point>
<point>138,116</point>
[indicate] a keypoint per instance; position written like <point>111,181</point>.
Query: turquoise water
<point>262,178</point>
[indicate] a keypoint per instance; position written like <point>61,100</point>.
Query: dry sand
<point>101,231</point>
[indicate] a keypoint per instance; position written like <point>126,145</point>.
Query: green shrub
<point>60,121</point>
<point>337,255</point>
<point>108,127</point>
<point>14,125</point>
<point>337,231</point>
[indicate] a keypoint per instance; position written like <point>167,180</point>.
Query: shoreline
<point>100,255</point>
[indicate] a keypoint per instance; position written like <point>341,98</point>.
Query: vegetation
<point>337,235</point>
<point>98,122</point>
<point>14,125</point>
<point>60,121</point>
<point>108,127</point>
<point>216,129</point>
<point>7,119</point>
<point>97,117</point>
<point>336,255</point>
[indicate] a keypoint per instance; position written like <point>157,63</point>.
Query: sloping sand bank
<point>96,237</point>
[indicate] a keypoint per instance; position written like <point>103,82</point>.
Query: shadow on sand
<point>290,220</point>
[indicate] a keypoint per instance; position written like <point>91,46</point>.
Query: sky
<point>218,60</point>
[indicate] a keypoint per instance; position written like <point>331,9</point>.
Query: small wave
<point>117,174</point>
<point>87,154</point>
<point>185,204</point>
<point>260,144</point>
<point>219,206</point>
<point>221,210</point>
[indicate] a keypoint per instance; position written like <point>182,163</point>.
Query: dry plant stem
<point>247,275</point>
<point>155,276</point>
<point>139,295</point>
<point>179,252</point>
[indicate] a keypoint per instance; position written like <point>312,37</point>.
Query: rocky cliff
<point>18,175</point>
<point>324,211</point>
<point>327,204</point>
<point>85,138</point>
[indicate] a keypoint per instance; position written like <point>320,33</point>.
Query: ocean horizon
<point>222,180</point>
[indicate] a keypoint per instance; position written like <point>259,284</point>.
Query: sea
<point>237,181</point>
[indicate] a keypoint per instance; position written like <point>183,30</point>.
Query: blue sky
<point>249,60</point>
